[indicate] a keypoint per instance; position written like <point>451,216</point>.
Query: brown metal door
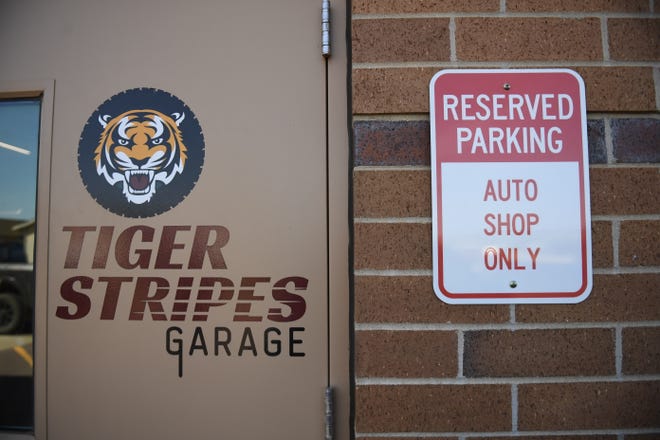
<point>205,317</point>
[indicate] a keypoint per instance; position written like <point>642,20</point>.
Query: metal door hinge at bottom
<point>329,414</point>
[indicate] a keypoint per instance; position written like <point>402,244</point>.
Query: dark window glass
<point>19,139</point>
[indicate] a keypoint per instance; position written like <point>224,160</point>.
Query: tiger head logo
<point>138,149</point>
<point>141,152</point>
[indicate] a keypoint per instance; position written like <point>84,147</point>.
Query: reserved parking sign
<point>510,185</point>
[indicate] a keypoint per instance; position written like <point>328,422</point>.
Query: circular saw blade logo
<point>141,152</point>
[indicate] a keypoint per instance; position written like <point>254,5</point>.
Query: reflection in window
<point>19,138</point>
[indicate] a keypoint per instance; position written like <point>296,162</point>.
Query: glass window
<point>19,140</point>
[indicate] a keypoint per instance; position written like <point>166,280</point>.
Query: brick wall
<point>428,370</point>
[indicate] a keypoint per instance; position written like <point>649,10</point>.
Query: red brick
<point>619,89</point>
<point>432,408</point>
<point>641,350</point>
<point>600,405</point>
<point>624,190</point>
<point>596,141</point>
<point>577,6</point>
<point>614,298</point>
<point>400,39</point>
<point>398,193</point>
<point>391,143</point>
<point>401,90</point>
<point>528,39</point>
<point>422,6</point>
<point>393,246</point>
<point>405,354</point>
<point>601,244</point>
<point>520,353</point>
<point>411,299</point>
<point>639,243</point>
<point>636,140</point>
<point>634,39</point>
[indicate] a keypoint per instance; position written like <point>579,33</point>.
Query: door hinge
<point>325,28</point>
<point>329,414</point>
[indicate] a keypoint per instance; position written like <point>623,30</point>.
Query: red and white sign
<point>511,210</point>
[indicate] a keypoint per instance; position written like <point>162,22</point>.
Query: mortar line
<point>473,434</point>
<point>422,219</point>
<point>424,117</point>
<point>632,217</point>
<point>514,407</point>
<point>618,350</point>
<point>421,272</point>
<point>394,272</point>
<point>571,15</point>
<point>393,168</point>
<point>504,326</point>
<point>393,220</point>
<point>395,117</point>
<point>499,64</point>
<point>527,380</point>
<point>627,270</point>
<point>604,35</point>
<point>616,234</point>
<point>609,144</point>
<point>452,40</point>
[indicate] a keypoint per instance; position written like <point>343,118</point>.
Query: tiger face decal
<point>140,148</point>
<point>141,152</point>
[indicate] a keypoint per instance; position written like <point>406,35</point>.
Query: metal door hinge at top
<point>325,28</point>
